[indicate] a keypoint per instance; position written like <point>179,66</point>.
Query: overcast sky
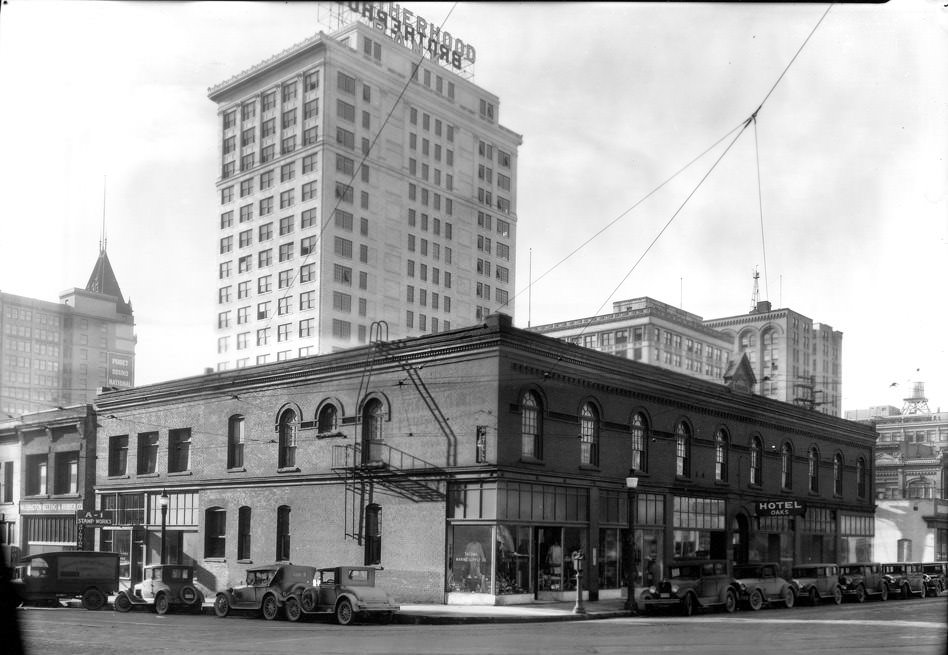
<point>611,99</point>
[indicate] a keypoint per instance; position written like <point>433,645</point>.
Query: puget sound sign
<point>780,508</point>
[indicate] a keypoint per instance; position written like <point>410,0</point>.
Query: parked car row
<point>343,592</point>
<point>713,584</point>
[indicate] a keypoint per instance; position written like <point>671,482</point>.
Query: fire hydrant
<point>578,558</point>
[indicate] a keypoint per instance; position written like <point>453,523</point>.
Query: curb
<point>428,619</point>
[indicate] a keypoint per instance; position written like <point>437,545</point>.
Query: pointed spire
<point>103,241</point>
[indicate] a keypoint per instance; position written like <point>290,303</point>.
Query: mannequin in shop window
<point>474,555</point>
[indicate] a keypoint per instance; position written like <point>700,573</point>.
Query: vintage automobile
<point>761,583</point>
<point>164,587</point>
<point>934,575</point>
<point>346,593</point>
<point>861,580</point>
<point>265,589</point>
<point>45,578</point>
<point>693,584</point>
<point>905,578</point>
<point>818,581</point>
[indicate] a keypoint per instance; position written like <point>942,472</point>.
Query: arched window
<point>861,477</point>
<point>720,455</point>
<point>283,534</point>
<point>531,435</point>
<point>838,474</point>
<point>373,414</point>
<point>683,450</point>
<point>215,532</point>
<point>756,452</point>
<point>640,443</point>
<point>235,441</point>
<point>327,420</point>
<point>589,435</point>
<point>287,427</point>
<point>243,533</point>
<point>813,457</point>
<point>786,466</point>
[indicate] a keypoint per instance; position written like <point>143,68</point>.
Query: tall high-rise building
<point>58,354</point>
<point>366,189</point>
<point>795,359</point>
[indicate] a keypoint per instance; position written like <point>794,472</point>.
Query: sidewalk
<point>464,614</point>
<point>445,614</point>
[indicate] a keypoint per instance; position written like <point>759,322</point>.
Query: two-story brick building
<point>470,464</point>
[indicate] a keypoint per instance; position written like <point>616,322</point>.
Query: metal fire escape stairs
<point>368,466</point>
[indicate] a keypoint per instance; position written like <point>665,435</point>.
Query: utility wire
<point>623,214</point>
<point>760,206</point>
<point>751,119</point>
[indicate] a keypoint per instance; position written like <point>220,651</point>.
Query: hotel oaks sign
<point>413,31</point>
<point>780,508</point>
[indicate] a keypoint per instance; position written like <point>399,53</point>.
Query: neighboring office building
<point>653,332</point>
<point>48,471</point>
<point>55,355</point>
<point>795,359</point>
<point>330,221</point>
<point>911,464</point>
<point>470,465</point>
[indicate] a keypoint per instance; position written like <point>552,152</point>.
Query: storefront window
<point>469,558</point>
<point>699,528</point>
<point>513,560</point>
<point>550,551</point>
<point>610,558</point>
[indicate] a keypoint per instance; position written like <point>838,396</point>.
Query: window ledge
<point>683,478</point>
<point>237,469</point>
<point>289,469</point>
<point>337,434</point>
<point>147,475</point>
<point>526,459</point>
<point>589,467</point>
<point>215,559</point>
<point>243,561</point>
<point>179,473</point>
<point>722,483</point>
<point>118,477</point>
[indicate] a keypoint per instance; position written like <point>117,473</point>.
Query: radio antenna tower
<point>755,296</point>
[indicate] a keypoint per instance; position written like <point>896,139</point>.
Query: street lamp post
<point>631,482</point>
<point>163,504</point>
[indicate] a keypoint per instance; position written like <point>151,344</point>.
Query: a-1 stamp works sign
<point>88,519</point>
<point>780,508</point>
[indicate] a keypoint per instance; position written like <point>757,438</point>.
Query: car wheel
<point>756,600</point>
<point>308,600</point>
<point>221,606</point>
<point>344,613</point>
<point>292,608</point>
<point>860,594</point>
<point>93,599</point>
<point>789,598</point>
<point>162,604</point>
<point>269,609</point>
<point>730,601</point>
<point>837,595</point>
<point>687,605</point>
<point>884,592</point>
<point>122,603</point>
<point>906,592</point>
<point>814,596</point>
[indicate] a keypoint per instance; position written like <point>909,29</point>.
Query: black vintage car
<point>265,590</point>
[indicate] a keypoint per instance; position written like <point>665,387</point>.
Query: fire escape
<point>367,465</point>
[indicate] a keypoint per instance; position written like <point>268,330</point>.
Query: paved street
<point>916,626</point>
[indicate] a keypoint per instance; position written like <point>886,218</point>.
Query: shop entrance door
<point>549,556</point>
